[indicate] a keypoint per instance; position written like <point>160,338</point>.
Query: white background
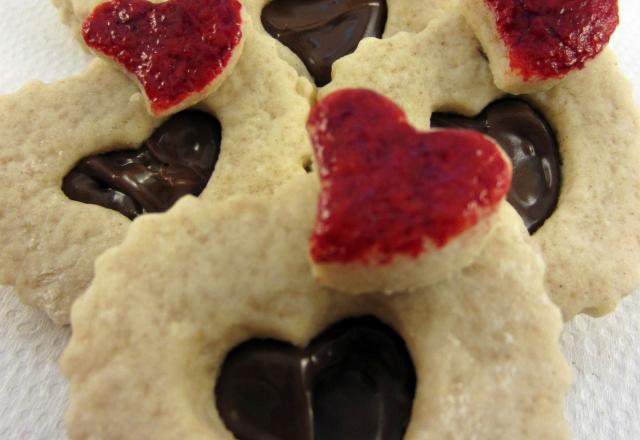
<point>605,354</point>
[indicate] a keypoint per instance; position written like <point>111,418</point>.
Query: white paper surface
<point>605,354</point>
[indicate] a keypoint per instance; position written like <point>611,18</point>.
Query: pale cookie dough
<point>50,241</point>
<point>591,243</point>
<point>184,288</point>
<point>412,16</point>
<point>405,273</point>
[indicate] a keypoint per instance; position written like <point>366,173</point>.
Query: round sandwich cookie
<point>83,157</point>
<point>205,323</point>
<point>575,149</point>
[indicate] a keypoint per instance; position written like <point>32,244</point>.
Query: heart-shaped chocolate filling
<point>528,139</point>
<point>355,381</point>
<point>178,159</point>
<point>322,31</point>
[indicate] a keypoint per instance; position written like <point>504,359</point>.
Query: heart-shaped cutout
<point>529,140</point>
<point>178,159</point>
<point>388,190</point>
<point>322,31</point>
<point>179,51</point>
<point>543,40</point>
<point>356,381</point>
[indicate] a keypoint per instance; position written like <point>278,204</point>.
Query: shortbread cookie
<point>590,240</point>
<point>150,352</point>
<point>398,209</point>
<point>51,135</point>
<point>532,46</point>
<point>178,51</point>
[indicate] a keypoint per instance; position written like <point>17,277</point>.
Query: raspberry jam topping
<point>175,49</point>
<point>549,38</point>
<point>386,188</point>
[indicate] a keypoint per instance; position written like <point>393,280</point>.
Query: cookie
<point>178,51</point>
<point>53,137</point>
<point>589,234</point>
<point>532,46</point>
<point>196,327</point>
<point>398,209</point>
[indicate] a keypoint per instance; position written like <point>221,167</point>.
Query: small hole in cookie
<point>528,139</point>
<point>178,159</point>
<point>320,32</point>
<point>307,164</point>
<point>355,381</point>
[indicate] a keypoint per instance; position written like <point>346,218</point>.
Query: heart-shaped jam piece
<point>178,159</point>
<point>386,189</point>
<point>550,38</point>
<point>529,141</point>
<point>322,31</point>
<point>176,49</point>
<point>356,381</point>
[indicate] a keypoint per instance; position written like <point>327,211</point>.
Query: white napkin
<point>605,354</point>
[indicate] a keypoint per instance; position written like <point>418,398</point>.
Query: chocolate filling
<point>527,138</point>
<point>355,381</point>
<point>322,31</point>
<point>178,159</point>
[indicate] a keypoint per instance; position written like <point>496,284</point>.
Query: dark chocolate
<point>530,142</point>
<point>355,381</point>
<point>322,31</point>
<point>178,159</point>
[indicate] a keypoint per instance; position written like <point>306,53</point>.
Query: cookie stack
<point>324,219</point>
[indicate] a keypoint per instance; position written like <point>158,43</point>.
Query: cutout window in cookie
<point>178,159</point>
<point>528,139</point>
<point>322,31</point>
<point>355,381</point>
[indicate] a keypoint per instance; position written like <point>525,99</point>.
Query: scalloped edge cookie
<point>51,241</point>
<point>591,243</point>
<point>184,288</point>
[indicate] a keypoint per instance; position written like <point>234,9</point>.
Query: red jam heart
<point>549,38</point>
<point>387,188</point>
<point>175,49</point>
